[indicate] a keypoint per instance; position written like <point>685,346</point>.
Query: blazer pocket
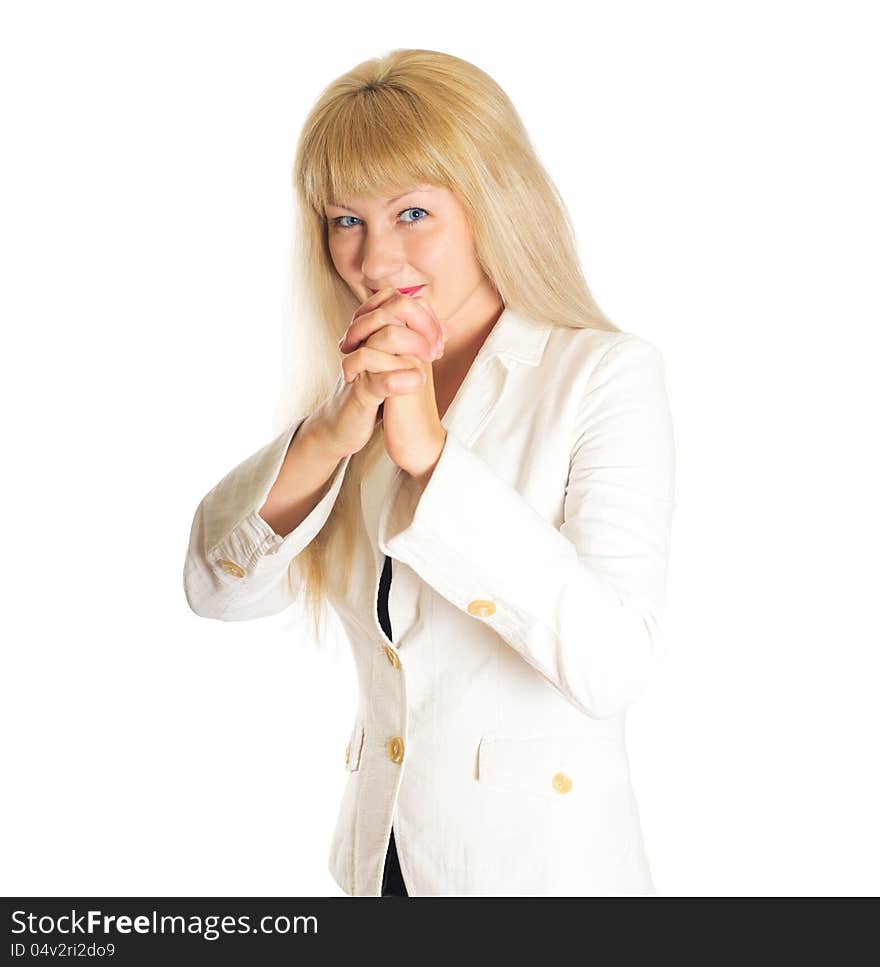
<point>556,766</point>
<point>354,748</point>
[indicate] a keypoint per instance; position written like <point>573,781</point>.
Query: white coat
<point>526,606</point>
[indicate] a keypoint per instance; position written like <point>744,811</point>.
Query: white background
<point>720,163</point>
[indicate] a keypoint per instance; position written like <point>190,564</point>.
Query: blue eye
<point>339,219</point>
<point>414,210</point>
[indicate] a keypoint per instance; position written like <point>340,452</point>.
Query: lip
<point>407,291</point>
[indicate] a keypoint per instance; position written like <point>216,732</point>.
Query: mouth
<point>411,290</point>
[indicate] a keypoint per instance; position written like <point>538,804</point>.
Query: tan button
<point>347,753</point>
<point>395,749</point>
<point>561,782</point>
<point>391,655</point>
<point>482,609</point>
<point>230,567</point>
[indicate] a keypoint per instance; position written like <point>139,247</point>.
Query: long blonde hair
<point>414,117</point>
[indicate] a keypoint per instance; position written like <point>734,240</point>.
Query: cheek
<point>340,253</point>
<point>445,252</point>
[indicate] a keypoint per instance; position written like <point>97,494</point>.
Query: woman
<point>484,497</point>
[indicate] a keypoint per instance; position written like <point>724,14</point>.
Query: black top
<point>392,879</point>
<point>384,588</point>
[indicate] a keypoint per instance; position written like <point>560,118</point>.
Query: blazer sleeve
<point>582,603</point>
<point>236,566</point>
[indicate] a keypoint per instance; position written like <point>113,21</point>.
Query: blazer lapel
<point>513,341</point>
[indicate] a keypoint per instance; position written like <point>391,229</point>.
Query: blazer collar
<point>514,337</point>
<point>513,341</point>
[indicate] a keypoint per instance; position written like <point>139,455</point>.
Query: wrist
<point>422,475</point>
<point>314,436</point>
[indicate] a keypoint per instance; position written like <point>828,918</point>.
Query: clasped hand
<point>391,344</point>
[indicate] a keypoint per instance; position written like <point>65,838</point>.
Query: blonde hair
<point>414,117</point>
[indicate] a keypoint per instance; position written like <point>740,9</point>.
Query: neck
<point>468,329</point>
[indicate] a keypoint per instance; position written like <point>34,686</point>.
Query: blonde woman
<point>477,475</point>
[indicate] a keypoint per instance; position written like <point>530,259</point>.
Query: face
<point>419,238</point>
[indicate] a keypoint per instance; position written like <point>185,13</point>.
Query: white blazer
<point>526,605</point>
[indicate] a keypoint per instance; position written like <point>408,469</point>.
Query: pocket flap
<point>354,747</point>
<point>562,766</point>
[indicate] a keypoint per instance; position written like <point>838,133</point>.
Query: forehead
<point>386,200</point>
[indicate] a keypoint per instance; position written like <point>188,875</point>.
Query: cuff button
<point>482,609</point>
<point>230,567</point>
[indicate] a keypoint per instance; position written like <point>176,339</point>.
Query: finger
<point>369,324</point>
<point>379,375</point>
<point>441,326</point>
<point>377,387</point>
<point>399,310</point>
<point>375,300</point>
<point>376,363</point>
<point>402,341</point>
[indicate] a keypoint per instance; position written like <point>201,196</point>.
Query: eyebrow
<point>389,201</point>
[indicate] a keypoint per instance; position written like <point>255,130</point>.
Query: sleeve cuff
<point>253,541</point>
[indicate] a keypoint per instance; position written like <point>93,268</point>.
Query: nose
<point>381,256</point>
